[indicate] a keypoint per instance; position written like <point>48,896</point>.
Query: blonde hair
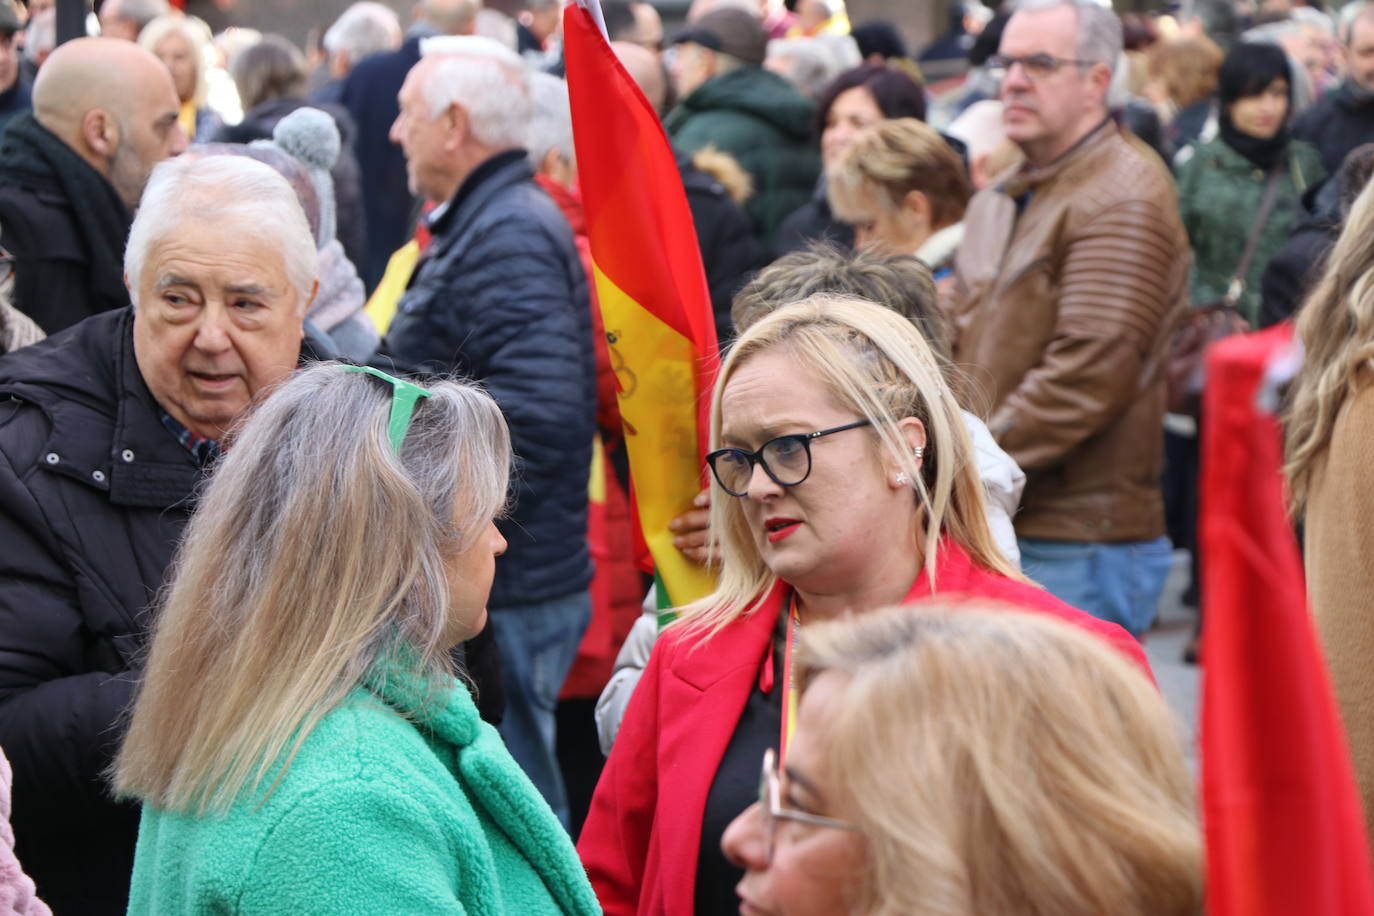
<point>198,37</point>
<point>998,761</point>
<point>316,558</point>
<point>875,362</point>
<point>1336,327</point>
<point>1187,67</point>
<point>889,159</point>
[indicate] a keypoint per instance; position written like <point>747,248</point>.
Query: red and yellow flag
<point>650,286</point>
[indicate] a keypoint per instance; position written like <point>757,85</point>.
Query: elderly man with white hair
<point>500,296</point>
<point>106,430</point>
<point>364,29</point>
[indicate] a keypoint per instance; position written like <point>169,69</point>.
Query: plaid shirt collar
<point>203,450</point>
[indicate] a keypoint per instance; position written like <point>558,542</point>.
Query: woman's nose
<point>745,841</point>
<point>760,484</point>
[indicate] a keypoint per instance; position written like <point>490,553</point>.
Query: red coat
<point>641,838</point>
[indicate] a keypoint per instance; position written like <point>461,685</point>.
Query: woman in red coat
<point>856,488</point>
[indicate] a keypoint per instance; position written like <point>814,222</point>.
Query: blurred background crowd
<point>1063,204</point>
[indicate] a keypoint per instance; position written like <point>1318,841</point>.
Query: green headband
<point>403,397</point>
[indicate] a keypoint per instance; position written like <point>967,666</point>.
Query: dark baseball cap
<point>729,31</point>
<point>9,19</point>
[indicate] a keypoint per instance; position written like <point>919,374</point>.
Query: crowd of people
<point>320,583</point>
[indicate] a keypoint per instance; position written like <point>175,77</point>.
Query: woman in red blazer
<point>855,488</point>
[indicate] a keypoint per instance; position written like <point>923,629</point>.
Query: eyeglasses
<point>1035,66</point>
<point>404,395</point>
<point>786,459</point>
<point>770,804</point>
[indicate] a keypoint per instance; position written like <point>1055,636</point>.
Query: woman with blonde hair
<point>958,759</point>
<point>299,741</point>
<point>849,483</point>
<point>1329,426</point>
<point>181,43</point>
<point>904,190</point>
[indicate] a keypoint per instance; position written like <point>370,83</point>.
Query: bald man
<point>73,169</point>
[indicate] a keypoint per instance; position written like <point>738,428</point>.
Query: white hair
<point>487,79</point>
<point>1099,38</point>
<point>223,190</point>
<point>980,127</point>
<point>364,29</point>
<point>1315,18</point>
<point>550,125</point>
<point>1349,13</point>
<point>816,61</point>
<point>497,26</point>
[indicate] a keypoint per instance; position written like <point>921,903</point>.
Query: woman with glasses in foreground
<point>952,760</point>
<point>299,741</point>
<point>848,483</point>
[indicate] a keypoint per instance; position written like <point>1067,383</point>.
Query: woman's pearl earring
<point>904,478</point>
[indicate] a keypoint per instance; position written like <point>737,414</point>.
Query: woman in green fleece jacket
<point>300,743</point>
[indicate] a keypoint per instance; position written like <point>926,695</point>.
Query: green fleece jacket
<point>375,815</point>
<point>765,124</point>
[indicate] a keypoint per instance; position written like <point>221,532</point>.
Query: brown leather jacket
<point>1062,315</point>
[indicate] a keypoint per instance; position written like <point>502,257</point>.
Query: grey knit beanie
<point>311,136</point>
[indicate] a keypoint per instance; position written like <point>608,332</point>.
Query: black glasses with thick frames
<point>786,459</point>
<point>1036,66</point>
<point>770,805</point>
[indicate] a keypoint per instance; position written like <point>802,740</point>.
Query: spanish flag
<point>651,289</point>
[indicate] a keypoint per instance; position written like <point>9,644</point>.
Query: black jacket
<point>369,93</point>
<point>730,252</point>
<point>94,494</point>
<point>500,297</point>
<point>65,226</point>
<point>1339,121</point>
<point>1297,266</point>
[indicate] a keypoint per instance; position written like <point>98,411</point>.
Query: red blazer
<point>641,838</point>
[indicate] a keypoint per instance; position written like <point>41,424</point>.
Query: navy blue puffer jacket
<point>500,297</point>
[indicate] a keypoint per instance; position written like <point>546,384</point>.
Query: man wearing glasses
<point>1072,269</point>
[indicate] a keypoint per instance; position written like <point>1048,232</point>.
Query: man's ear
<point>709,61</point>
<point>456,126</point>
<point>100,133</point>
<point>1100,75</point>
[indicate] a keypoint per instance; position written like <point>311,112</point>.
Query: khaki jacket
<point>1062,313</point>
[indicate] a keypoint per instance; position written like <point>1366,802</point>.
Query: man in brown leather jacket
<point>1067,284</point>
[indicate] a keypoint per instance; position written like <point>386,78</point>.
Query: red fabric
<point>641,838</point>
<point>616,587</point>
<point>1285,831</point>
<point>638,221</point>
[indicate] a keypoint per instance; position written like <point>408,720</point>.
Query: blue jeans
<point>1117,582</point>
<point>538,643</point>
